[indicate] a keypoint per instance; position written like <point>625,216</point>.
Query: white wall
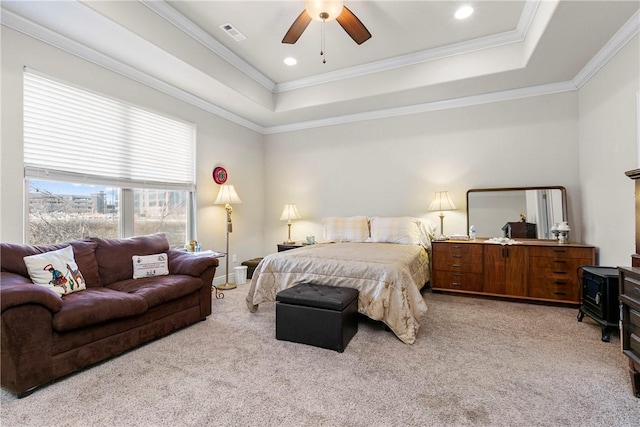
<point>218,142</point>
<point>608,140</point>
<point>393,166</point>
<point>582,140</point>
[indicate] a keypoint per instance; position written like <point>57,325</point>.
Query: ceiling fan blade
<point>353,26</point>
<point>297,28</point>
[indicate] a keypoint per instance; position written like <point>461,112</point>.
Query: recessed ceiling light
<point>464,12</point>
<point>290,61</point>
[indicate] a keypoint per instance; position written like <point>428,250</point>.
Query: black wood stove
<point>600,298</point>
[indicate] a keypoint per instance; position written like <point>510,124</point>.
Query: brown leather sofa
<point>45,336</point>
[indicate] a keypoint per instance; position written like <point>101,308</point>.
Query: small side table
<point>288,246</point>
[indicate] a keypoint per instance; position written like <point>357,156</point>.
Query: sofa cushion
<point>95,306</point>
<point>12,258</point>
<point>56,270</point>
<point>114,255</point>
<point>160,289</point>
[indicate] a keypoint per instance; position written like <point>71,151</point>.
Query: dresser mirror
<point>517,212</point>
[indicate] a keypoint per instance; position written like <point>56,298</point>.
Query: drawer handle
<point>559,250</point>
<point>456,265</point>
<point>457,256</point>
<point>559,272</point>
<point>456,246</point>
<point>560,282</point>
<point>456,274</point>
<point>560,261</point>
<point>560,293</point>
<point>456,284</point>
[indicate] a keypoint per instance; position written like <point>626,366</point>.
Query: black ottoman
<point>251,266</point>
<point>318,315</point>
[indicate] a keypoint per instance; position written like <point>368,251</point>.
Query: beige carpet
<point>475,362</point>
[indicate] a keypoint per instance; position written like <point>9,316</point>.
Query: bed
<point>385,258</point>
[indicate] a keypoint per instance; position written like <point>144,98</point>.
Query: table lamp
<point>442,202</point>
<point>288,213</point>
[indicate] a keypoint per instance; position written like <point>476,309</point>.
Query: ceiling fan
<point>324,11</point>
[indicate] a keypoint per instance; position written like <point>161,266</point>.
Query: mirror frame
<point>563,192</point>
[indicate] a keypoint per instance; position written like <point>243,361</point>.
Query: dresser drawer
<point>464,249</point>
<point>547,266</point>
<point>560,289</point>
<point>631,289</point>
<point>458,258</point>
<point>634,332</point>
<point>551,278</point>
<point>562,252</point>
<point>457,280</point>
<point>634,322</point>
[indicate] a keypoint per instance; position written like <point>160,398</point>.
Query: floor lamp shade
<point>288,213</point>
<point>442,202</point>
<point>226,196</point>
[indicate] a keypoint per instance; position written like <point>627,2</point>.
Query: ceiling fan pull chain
<point>322,43</point>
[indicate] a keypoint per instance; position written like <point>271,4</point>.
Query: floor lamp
<point>442,202</point>
<point>226,196</point>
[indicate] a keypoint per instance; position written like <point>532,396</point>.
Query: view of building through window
<point>60,212</point>
<point>161,211</point>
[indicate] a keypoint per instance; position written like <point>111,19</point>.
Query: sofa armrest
<point>17,290</point>
<point>181,262</point>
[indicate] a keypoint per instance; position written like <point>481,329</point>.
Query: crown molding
<point>401,61</point>
<point>31,29</point>
<point>187,26</point>
<point>447,104</point>
<point>25,26</point>
<point>608,51</point>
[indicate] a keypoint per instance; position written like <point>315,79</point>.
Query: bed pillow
<point>403,230</point>
<point>150,265</point>
<point>56,270</point>
<point>345,229</point>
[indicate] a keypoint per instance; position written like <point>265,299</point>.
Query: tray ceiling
<point>419,58</point>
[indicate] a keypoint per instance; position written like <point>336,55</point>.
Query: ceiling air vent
<point>233,32</point>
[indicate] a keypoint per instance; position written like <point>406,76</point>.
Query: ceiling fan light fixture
<point>324,10</point>
<point>464,12</point>
<point>290,61</point>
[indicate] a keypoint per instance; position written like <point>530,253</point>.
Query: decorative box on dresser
<point>537,270</point>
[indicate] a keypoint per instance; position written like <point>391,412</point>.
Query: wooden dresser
<point>630,299</point>
<point>630,321</point>
<point>537,270</point>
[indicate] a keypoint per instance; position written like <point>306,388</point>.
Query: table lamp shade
<point>442,202</point>
<point>290,212</point>
<point>227,195</point>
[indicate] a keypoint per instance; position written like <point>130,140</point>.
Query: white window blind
<point>78,136</point>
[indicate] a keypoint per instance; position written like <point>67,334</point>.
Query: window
<point>99,167</point>
<point>60,211</point>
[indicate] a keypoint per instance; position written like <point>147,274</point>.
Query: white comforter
<point>388,276</point>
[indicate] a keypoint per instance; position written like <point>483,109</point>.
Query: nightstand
<point>286,246</point>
